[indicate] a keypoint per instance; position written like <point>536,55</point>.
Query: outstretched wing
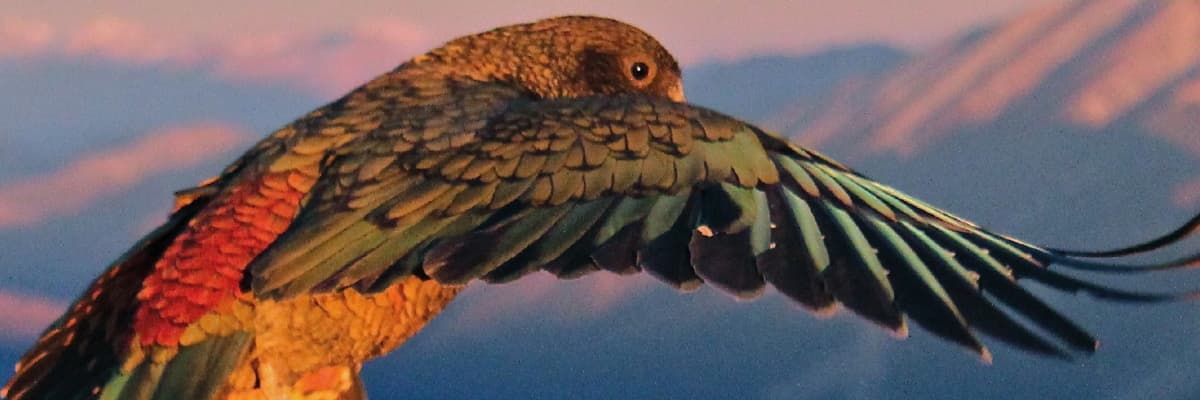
<point>628,183</point>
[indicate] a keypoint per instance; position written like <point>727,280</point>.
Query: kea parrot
<point>562,145</point>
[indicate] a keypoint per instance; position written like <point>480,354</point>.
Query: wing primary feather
<point>418,246</point>
<point>884,195</point>
<point>913,203</point>
<point>863,195</point>
<point>854,275</point>
<point>918,292</point>
<point>1183,232</point>
<point>810,231</point>
<point>830,185</point>
<point>1026,265</point>
<point>993,280</point>
<point>1052,256</point>
<point>963,289</point>
<point>789,265</point>
<point>1186,262</point>
<point>797,176</point>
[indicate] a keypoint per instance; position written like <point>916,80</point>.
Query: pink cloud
<point>541,293</point>
<point>23,317</point>
<point>323,63</point>
<point>95,176</point>
<point>121,40</point>
<point>19,37</point>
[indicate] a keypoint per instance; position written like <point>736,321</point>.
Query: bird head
<point>571,56</point>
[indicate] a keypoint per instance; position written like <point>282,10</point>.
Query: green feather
<point>663,214</point>
<point>760,230</point>
<point>318,234</point>
<point>915,264</point>
<point>978,253</point>
<point>201,370</point>
<point>944,255</point>
<point>863,195</point>
<point>860,246</point>
<point>198,371</point>
<point>140,384</point>
<point>979,312</point>
<point>458,260</point>
<point>829,184</point>
<point>997,280</point>
<point>919,293</point>
<point>334,256</point>
<point>750,162</point>
<point>627,211</point>
<point>399,244</point>
<point>798,174</point>
<point>928,209</point>
<point>573,227</point>
<point>885,196</point>
<point>809,230</point>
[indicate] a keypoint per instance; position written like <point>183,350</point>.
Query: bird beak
<point>676,93</point>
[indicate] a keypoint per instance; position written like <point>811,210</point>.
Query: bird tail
<point>81,355</point>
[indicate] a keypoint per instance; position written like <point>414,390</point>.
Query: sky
<point>106,106</point>
<point>694,30</point>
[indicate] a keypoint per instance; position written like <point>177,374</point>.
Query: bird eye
<point>639,70</point>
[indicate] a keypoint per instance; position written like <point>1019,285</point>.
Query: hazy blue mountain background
<point>949,125</point>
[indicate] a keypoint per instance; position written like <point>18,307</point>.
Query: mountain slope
<point>1118,71</point>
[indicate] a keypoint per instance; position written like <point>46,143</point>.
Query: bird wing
<point>629,183</point>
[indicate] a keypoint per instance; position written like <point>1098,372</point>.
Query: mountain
<point>759,87</point>
<point>1053,88</point>
<point>1092,64</point>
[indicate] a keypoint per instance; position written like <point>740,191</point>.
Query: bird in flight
<point>563,145</point>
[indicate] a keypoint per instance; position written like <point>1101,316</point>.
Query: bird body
<point>562,145</point>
